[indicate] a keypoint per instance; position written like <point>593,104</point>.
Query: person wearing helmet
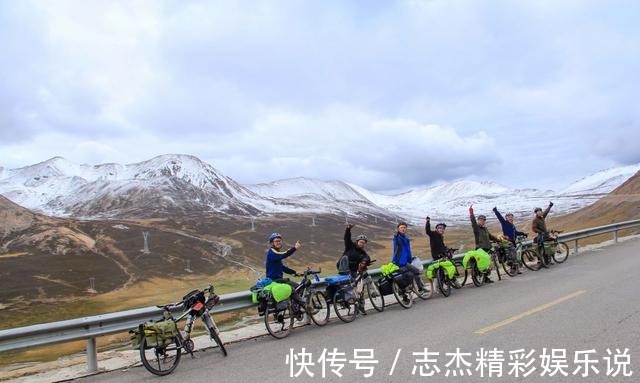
<point>276,269</point>
<point>357,259</point>
<point>482,236</point>
<point>355,251</point>
<point>402,256</point>
<point>539,226</point>
<point>436,239</point>
<point>509,231</point>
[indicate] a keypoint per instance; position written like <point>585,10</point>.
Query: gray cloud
<point>385,95</point>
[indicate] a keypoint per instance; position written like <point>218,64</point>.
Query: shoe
<point>361,310</point>
<point>487,280</point>
<point>519,272</point>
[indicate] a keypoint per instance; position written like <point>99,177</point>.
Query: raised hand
<point>297,245</point>
<point>350,226</point>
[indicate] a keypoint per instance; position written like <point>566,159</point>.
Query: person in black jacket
<point>355,251</point>
<point>436,239</point>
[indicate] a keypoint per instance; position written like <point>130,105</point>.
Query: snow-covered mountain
<point>319,196</point>
<point>183,184</point>
<point>165,184</point>
<point>603,181</point>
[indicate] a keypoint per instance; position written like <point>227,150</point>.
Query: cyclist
<point>402,253</point>
<point>482,236</point>
<point>436,239</point>
<point>275,267</point>
<point>358,258</point>
<point>539,226</point>
<point>509,228</point>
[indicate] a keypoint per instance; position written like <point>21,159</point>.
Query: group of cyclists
<point>356,259</point>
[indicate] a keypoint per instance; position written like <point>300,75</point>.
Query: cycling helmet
<point>537,210</point>
<point>441,224</point>
<point>482,216</point>
<point>363,237</point>
<point>274,236</point>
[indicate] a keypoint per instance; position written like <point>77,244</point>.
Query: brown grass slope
<point>622,204</point>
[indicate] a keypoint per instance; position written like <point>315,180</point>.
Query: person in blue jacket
<point>276,269</point>
<point>508,227</point>
<point>402,256</point>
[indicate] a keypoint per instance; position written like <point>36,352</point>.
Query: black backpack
<point>343,265</point>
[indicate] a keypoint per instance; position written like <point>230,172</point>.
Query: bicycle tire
<point>443,286</point>
<point>375,297</point>
<point>216,338</point>
<point>278,322</point>
<point>351,309</point>
<point>426,293</point>
<point>464,279</point>
<point>510,267</point>
<point>562,252</point>
<point>169,360</point>
<point>404,298</point>
<point>318,308</point>
<point>495,263</point>
<point>530,260</point>
<point>213,332</point>
<point>476,275</point>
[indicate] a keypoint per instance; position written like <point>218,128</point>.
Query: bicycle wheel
<point>318,308</point>
<point>476,275</point>
<point>443,286</point>
<point>562,252</point>
<point>426,292</point>
<point>213,332</point>
<point>345,310</point>
<point>278,322</point>
<point>160,360</point>
<point>495,263</point>
<point>464,278</point>
<point>404,298</point>
<point>530,260</point>
<point>375,297</point>
<point>510,266</point>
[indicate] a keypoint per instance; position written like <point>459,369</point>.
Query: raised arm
<point>498,215</point>
<point>546,211</point>
<point>348,243</point>
<point>427,226</point>
<point>474,224</point>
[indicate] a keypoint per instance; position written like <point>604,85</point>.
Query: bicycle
<point>365,286</point>
<point>341,293</point>
<point>279,317</point>
<point>161,343</point>
<point>442,280</point>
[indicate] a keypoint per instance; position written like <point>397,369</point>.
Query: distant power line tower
<point>346,219</point>
<point>188,268</point>
<point>313,220</point>
<point>92,285</point>
<point>145,235</point>
<point>376,219</point>
<point>253,224</point>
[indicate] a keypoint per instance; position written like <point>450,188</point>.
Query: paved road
<point>589,302</point>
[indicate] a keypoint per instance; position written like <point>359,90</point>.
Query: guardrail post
<point>92,355</point>
<point>615,236</point>
<point>575,246</point>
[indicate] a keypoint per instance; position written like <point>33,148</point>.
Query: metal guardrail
<point>89,328</point>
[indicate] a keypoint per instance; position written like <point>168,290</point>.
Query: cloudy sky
<point>387,95</point>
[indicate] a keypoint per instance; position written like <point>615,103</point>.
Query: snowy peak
<point>301,186</point>
<point>603,181</point>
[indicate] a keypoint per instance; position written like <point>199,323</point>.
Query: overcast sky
<point>387,95</point>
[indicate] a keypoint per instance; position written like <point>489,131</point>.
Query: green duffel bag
<point>388,268</point>
<point>448,266</point>
<point>483,260</point>
<point>279,291</point>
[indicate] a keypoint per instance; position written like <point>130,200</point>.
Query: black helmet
<point>441,224</point>
<point>537,210</point>
<point>362,237</point>
<point>482,216</point>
